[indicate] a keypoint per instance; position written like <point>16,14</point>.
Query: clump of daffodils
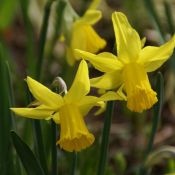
<point>127,71</point>
<point>131,65</point>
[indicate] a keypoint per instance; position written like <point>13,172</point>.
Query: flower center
<point>74,133</point>
<point>140,95</point>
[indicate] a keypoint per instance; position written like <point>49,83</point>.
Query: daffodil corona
<point>68,111</point>
<point>131,65</point>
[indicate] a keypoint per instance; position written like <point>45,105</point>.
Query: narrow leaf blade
<point>27,157</point>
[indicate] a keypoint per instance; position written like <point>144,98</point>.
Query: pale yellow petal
<point>102,108</point>
<point>87,103</point>
<point>40,112</point>
<point>107,55</point>
<point>110,96</point>
<point>127,39</point>
<point>81,84</point>
<point>94,42</point>
<point>153,57</point>
<point>107,81</point>
<point>56,118</point>
<point>121,94</point>
<point>43,94</point>
<point>78,35</point>
<point>94,4</point>
<point>103,64</point>
<point>91,17</point>
<point>143,41</point>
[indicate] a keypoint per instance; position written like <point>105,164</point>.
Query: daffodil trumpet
<point>68,111</point>
<point>131,65</point>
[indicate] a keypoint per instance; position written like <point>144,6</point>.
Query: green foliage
<point>7,10</point>
<point>120,162</point>
<point>5,118</point>
<point>27,157</point>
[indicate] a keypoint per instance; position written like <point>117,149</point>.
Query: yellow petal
<point>127,39</point>
<point>61,38</point>
<point>107,81</point>
<point>43,94</point>
<point>74,134</point>
<point>100,62</point>
<point>88,102</point>
<point>102,108</point>
<point>56,118</point>
<point>143,41</point>
<point>107,55</point>
<point>81,84</point>
<point>70,56</point>
<point>91,17</point>
<point>110,96</point>
<point>153,57</point>
<point>121,94</point>
<point>94,4</point>
<point>41,112</point>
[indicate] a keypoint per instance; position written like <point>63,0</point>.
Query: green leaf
<point>169,15</point>
<point>6,164</point>
<point>7,10</point>
<point>27,157</point>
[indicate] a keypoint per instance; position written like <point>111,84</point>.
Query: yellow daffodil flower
<point>68,111</point>
<point>83,36</point>
<point>131,65</point>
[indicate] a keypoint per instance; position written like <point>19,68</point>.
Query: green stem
<point>54,149</point>
<point>154,16</point>
<point>156,119</point>
<point>105,138</point>
<point>42,39</point>
<point>74,163</point>
<point>169,15</point>
<point>58,24</point>
<point>11,96</point>
<point>39,145</point>
<point>30,50</point>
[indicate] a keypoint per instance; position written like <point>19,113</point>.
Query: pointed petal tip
<point>117,14</point>
<point>28,79</point>
<point>12,109</point>
<point>78,53</point>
